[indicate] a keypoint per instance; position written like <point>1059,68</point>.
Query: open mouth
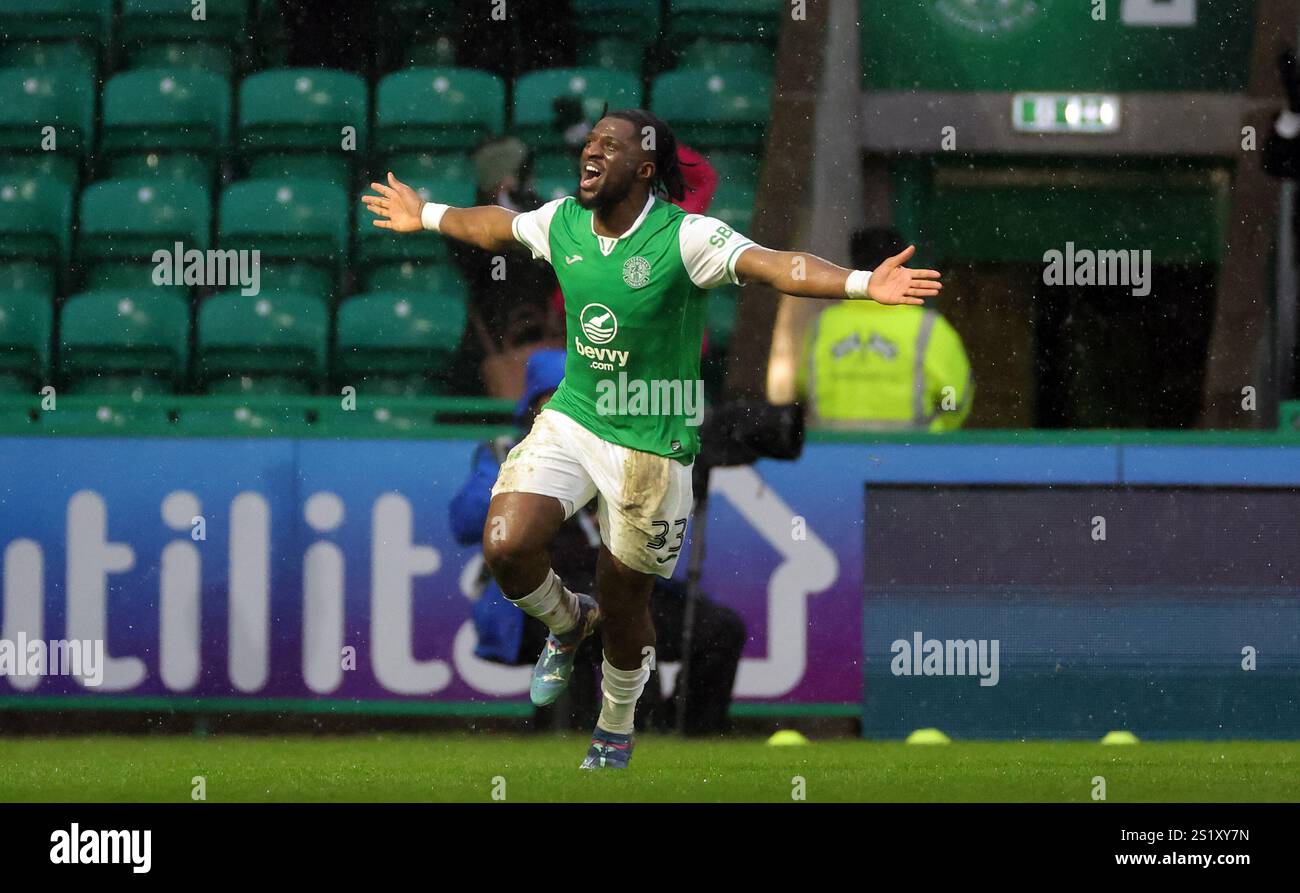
<point>588,176</point>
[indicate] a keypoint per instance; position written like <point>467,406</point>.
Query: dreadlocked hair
<point>668,178</point>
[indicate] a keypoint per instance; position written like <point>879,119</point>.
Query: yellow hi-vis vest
<point>870,367</point>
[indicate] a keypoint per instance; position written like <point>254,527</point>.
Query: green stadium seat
<point>636,21</point>
<point>124,342</point>
<point>409,276</point>
<point>438,51</point>
<point>424,167</point>
<point>734,203</point>
<point>397,344</point>
<point>35,221</point>
<point>26,323</point>
<point>291,123</point>
<point>34,98</point>
<point>612,53</point>
<point>750,20</point>
<point>726,55</point>
<point>154,21</point>
<point>443,109</point>
<point>28,276</point>
<point>302,278</point>
<point>333,169</point>
<point>59,166</point>
<point>166,166</point>
<point>305,221</point>
<point>39,54</point>
<point>173,123</point>
<point>301,109</point>
<point>712,109</point>
<point>376,245</point>
<point>267,344</point>
<point>184,55</point>
<point>123,222</point>
<point>537,91</point>
<point>88,21</point>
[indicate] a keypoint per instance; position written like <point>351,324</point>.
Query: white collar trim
<point>607,243</point>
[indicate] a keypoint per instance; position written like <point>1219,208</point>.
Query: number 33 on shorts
<point>663,530</point>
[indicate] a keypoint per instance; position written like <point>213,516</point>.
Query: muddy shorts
<point>644,500</point>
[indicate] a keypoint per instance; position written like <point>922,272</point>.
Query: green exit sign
<point>1065,112</point>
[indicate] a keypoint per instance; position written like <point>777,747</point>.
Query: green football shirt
<point>634,315</point>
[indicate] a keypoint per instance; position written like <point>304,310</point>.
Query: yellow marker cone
<point>786,738</point>
<point>1120,738</point>
<point>928,736</point>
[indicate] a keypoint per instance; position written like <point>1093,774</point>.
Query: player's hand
<point>397,206</point>
<point>893,283</point>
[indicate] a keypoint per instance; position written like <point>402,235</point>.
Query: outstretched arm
<point>807,276</point>
<point>398,207</point>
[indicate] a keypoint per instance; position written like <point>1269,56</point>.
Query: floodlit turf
<point>542,768</point>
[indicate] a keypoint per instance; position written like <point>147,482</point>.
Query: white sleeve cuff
<point>431,215</point>
<point>731,261</point>
<point>856,287</point>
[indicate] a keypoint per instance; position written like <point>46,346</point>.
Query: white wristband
<point>856,287</point>
<point>431,215</point>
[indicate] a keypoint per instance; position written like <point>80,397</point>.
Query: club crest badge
<point>636,271</point>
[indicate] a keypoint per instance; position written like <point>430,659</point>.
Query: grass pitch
<point>392,768</point>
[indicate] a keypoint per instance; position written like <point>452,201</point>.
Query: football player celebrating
<point>622,426</point>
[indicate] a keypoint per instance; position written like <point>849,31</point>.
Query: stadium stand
<point>165,33</point>
<point>297,221</point>
<point>398,343</point>
<point>292,123</point>
<point>263,344</point>
<point>85,21</point>
<point>126,126</point>
<point>47,120</point>
<point>26,323</point>
<point>124,342</point>
<point>172,123</point>
<point>125,222</point>
<point>35,232</point>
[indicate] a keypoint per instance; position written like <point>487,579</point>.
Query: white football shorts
<point>644,500</point>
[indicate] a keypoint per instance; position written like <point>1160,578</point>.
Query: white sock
<point>620,690</point>
<point>552,603</point>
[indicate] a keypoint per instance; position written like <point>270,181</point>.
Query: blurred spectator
<point>870,367</point>
<point>507,308</point>
<point>507,635</point>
